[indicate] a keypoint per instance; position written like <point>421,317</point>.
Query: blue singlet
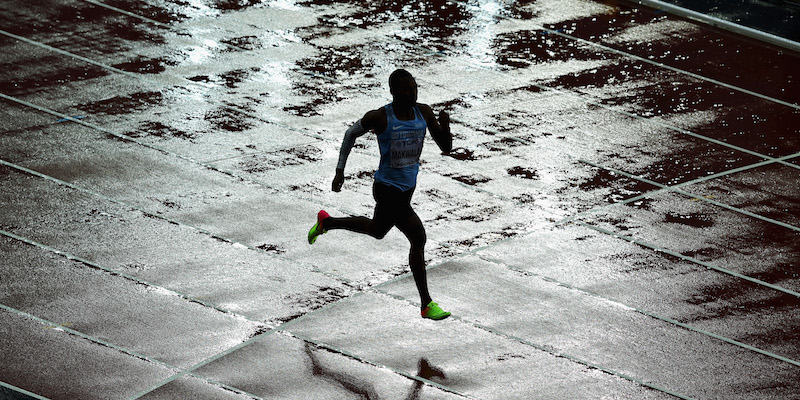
<point>400,146</point>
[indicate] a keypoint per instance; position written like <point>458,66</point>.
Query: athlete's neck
<point>403,112</point>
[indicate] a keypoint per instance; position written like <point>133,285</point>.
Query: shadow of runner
<point>360,388</point>
<point>426,371</point>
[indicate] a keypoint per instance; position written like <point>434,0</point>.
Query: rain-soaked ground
<point>620,218</point>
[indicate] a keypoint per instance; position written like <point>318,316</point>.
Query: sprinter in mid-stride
<point>400,129</point>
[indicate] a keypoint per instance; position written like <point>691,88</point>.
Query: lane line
<point>551,351</point>
<point>642,311</point>
<point>160,150</point>
<point>362,360</point>
<point>283,329</point>
<point>68,54</point>
<point>130,14</point>
<point>253,115</point>
<point>643,59</point>
<point>124,275</point>
<point>23,391</point>
<point>687,258</point>
<point>120,349</point>
<point>190,371</point>
<point>89,338</point>
<point>673,188</point>
<point>701,198</point>
<point>723,24</point>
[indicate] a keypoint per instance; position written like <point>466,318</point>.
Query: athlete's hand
<point>338,181</point>
<point>444,119</point>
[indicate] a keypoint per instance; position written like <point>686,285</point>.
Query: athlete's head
<point>403,88</point>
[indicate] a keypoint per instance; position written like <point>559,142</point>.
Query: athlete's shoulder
<point>426,111</point>
<point>375,120</point>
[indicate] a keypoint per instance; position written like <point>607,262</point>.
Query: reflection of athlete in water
<point>400,127</point>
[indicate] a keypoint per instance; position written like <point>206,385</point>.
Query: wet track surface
<point>620,217</point>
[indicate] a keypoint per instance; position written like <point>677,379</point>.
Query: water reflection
<point>481,36</point>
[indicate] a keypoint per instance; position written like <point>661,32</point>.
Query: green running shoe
<point>317,230</point>
<point>432,311</point>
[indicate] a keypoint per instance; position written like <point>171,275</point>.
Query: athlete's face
<point>404,92</point>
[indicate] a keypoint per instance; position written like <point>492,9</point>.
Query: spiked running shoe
<point>432,311</point>
<point>317,230</point>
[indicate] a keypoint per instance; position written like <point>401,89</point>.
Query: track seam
<point>73,332</point>
<point>642,311</point>
<point>700,198</point>
<point>687,258</point>
<point>550,351</point>
<point>674,188</point>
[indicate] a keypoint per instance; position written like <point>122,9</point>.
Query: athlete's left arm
<point>439,128</point>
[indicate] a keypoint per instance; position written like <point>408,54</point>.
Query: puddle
<point>615,73</point>
<point>523,173</point>
<point>759,126</point>
<point>229,79</point>
<point>228,120</point>
<point>166,13</point>
<point>242,43</point>
<point>616,187</point>
<point>260,163</point>
<point>318,94</point>
<point>740,298</point>
<point>716,55</point>
<point>433,24</point>
<point>160,130</point>
<point>472,180</point>
<point>46,79</point>
<point>271,248</point>
<point>696,220</point>
<point>462,154</point>
<point>124,104</point>
<point>145,65</point>
<point>521,49</point>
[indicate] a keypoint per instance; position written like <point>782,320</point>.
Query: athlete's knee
<point>378,232</point>
<point>418,238</point>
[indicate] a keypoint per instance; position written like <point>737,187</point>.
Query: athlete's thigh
<point>385,214</point>
<point>383,219</point>
<point>411,226</point>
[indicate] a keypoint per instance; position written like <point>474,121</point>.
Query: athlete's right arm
<point>358,129</point>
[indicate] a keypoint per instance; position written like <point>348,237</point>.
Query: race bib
<point>405,152</point>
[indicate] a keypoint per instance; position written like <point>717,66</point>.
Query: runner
<point>400,128</point>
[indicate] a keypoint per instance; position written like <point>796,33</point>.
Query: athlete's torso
<point>400,147</point>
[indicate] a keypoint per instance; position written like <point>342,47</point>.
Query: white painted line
<point>690,259</point>
<point>720,23</point>
<point>88,337</point>
<point>551,351</point>
<point>129,277</point>
<point>68,54</point>
<point>130,14</point>
<point>701,198</point>
<point>23,391</point>
<point>368,362</point>
<point>780,160</point>
<point>651,62</point>
<point>190,371</point>
<point>645,312</point>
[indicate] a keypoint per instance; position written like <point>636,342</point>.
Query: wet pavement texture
<point>619,217</point>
